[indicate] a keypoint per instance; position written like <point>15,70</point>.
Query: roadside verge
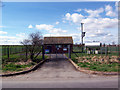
<point>90,71</point>
<point>24,72</point>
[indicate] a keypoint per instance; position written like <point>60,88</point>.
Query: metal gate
<point>57,54</point>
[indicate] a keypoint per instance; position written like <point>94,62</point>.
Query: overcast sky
<point>59,19</point>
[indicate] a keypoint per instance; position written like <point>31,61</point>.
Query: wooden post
<point>69,51</point>
<point>43,52</point>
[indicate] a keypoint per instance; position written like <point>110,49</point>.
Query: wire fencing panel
<point>104,50</point>
<point>110,50</point>
<point>113,49</point>
<point>12,53</point>
<point>77,48</point>
<point>12,49</point>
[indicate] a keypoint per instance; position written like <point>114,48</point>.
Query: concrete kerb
<point>91,72</point>
<point>24,72</point>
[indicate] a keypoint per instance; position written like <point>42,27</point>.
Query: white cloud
<point>2,26</point>
<point>98,29</point>
<point>68,16</point>
<point>12,40</point>
<point>109,11</point>
<point>2,32</point>
<point>95,26</point>
<point>100,23</point>
<point>21,35</point>
<point>7,37</point>
<point>108,8</point>
<point>50,28</point>
<point>44,27</point>
<point>98,33</point>
<point>64,21</point>
<point>75,17</point>
<point>117,6</point>
<point>30,26</point>
<point>111,14</point>
<point>94,13</point>
<point>57,30</point>
<point>78,10</point>
<point>8,40</point>
<point>57,22</point>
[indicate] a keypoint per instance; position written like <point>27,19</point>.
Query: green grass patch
<point>113,67</point>
<point>95,66</point>
<point>13,58</point>
<point>9,64</point>
<point>13,67</point>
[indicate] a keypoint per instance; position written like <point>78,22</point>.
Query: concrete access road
<point>59,73</point>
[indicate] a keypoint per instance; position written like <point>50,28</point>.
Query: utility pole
<point>82,35</point>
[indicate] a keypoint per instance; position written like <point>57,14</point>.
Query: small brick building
<point>57,44</point>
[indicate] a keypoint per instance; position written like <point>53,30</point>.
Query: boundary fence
<point>12,49</point>
<point>104,50</point>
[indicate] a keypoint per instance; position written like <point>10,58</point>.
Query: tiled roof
<point>58,40</point>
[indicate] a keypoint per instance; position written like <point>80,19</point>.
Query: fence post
<point>69,51</point>
<point>8,52</point>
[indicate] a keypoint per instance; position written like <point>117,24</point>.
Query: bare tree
<point>25,43</point>
<point>33,45</point>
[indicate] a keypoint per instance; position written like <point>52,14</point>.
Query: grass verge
<point>13,67</point>
<point>95,66</point>
<point>9,65</point>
